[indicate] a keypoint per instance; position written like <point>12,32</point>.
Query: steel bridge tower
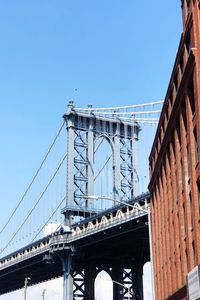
<point>83,129</point>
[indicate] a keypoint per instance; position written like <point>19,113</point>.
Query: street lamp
<point>94,197</point>
<point>43,294</point>
<point>128,288</point>
<point>26,281</point>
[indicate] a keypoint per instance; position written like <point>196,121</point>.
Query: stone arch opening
<point>103,286</point>
<point>147,281</point>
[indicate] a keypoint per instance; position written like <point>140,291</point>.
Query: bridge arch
<point>106,136</point>
<point>103,170</point>
<point>103,286</point>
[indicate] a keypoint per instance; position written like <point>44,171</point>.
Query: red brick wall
<point>175,167</point>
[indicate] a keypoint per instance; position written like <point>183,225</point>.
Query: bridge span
<point>80,188</point>
<point>115,240</point>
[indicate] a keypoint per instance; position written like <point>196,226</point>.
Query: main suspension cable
<point>96,149</point>
<point>106,162</point>
<point>128,112</point>
<point>53,213</point>
<point>35,205</point>
<point>121,107</point>
<point>34,177</point>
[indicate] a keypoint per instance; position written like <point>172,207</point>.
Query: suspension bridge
<point>86,207</point>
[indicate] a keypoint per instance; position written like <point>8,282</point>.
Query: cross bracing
<point>83,130</point>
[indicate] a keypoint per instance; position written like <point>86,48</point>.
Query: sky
<point>103,52</point>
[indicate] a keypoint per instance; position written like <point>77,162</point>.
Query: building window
<point>191,97</point>
<point>198,189</point>
<point>170,103</point>
<point>186,255</point>
<point>188,43</point>
<point>184,115</point>
<point>182,175</point>
<point>187,2</point>
<point>191,211</point>
<point>167,111</point>
<point>188,162</point>
<point>194,252</point>
<point>196,146</point>
<point>176,82</point>
<point>181,64</point>
<point>185,220</point>
<point>178,131</point>
<point>186,8</point>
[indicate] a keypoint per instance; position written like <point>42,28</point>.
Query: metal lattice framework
<point>129,287</point>
<point>84,129</point>
<point>79,285</point>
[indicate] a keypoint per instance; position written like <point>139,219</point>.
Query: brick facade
<point>175,167</point>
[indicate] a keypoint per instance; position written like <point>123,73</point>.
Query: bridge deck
<point>120,233</point>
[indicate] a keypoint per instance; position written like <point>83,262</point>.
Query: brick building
<point>175,167</point>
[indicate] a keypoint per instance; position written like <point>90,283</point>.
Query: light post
<point>43,294</point>
<point>94,197</point>
<point>128,288</point>
<point>26,281</point>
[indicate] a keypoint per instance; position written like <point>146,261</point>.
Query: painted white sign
<point>193,284</point>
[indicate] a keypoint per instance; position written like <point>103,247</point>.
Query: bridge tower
<point>83,129</point>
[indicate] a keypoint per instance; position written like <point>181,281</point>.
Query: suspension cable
<point>107,160</point>
<point>129,112</point>
<point>141,120</point>
<point>34,177</point>
<point>96,149</point>
<point>121,107</point>
<point>35,205</point>
<point>53,213</point>
<point>145,119</point>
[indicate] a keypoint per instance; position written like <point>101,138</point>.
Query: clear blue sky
<point>112,52</point>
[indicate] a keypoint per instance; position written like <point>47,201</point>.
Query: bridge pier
<point>127,283</point>
<point>138,282</point>
<point>66,260</point>
<point>89,282</point>
<point>117,277</point>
